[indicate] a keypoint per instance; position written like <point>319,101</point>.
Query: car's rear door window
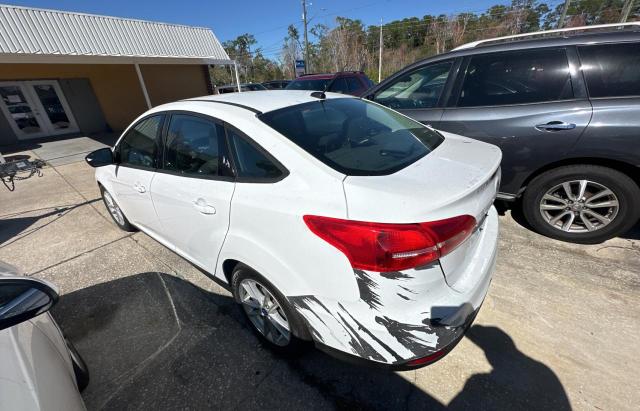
<point>611,70</point>
<point>520,77</point>
<point>354,136</point>
<point>195,146</point>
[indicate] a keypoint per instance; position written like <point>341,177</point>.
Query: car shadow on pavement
<point>155,341</point>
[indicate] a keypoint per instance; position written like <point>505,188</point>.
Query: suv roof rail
<point>541,33</point>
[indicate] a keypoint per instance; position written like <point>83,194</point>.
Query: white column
<point>143,86</point>
<point>235,67</point>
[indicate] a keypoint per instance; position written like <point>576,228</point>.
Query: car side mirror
<point>23,298</point>
<point>101,157</point>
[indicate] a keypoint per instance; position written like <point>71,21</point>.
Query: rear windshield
<point>354,136</point>
<point>317,85</point>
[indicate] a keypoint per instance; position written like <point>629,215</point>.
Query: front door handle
<point>139,188</point>
<point>204,208</point>
<point>555,126</point>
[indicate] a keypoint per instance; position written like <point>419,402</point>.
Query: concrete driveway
<point>559,328</point>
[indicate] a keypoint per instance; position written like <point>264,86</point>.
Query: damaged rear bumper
<point>403,320</point>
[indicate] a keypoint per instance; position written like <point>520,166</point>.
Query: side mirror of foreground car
<point>101,157</point>
<point>23,298</point>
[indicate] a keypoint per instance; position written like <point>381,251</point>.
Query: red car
<point>345,82</point>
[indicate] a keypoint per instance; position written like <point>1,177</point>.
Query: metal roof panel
<point>25,30</point>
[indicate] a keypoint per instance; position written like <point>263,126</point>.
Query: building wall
<point>115,86</point>
<point>84,105</point>
<point>166,83</point>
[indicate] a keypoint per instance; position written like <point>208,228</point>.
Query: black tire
<point>298,329</point>
<point>80,368</point>
<point>124,225</point>
<point>624,188</point>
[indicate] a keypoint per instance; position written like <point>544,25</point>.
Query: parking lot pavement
<point>558,330</point>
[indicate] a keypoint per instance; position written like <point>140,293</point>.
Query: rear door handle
<point>201,205</point>
<point>556,126</point>
<point>139,188</point>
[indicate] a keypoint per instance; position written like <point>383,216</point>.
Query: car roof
<point>316,76</point>
<point>616,36</point>
<point>269,100</point>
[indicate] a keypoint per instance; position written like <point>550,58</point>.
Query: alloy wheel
<point>113,208</point>
<point>579,206</point>
<point>265,312</point>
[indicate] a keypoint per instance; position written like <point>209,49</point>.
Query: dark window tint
<point>308,84</point>
<point>612,70</point>
<point>250,161</point>
<point>139,146</point>
<point>354,136</point>
<point>194,146</point>
<point>516,78</point>
<point>339,86</point>
<point>418,89</point>
<point>353,84</point>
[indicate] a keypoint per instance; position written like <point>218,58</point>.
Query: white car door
<point>137,155</point>
<point>192,189</point>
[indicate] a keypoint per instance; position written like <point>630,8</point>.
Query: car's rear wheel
<point>268,312</point>
<point>585,204</point>
<point>115,211</point>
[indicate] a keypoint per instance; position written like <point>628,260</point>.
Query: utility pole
<point>626,10</point>
<point>380,58</point>
<point>564,13</point>
<point>306,39</point>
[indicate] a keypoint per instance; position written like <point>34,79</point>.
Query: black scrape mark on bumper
<point>376,339</point>
<point>405,336</point>
<point>301,303</point>
<point>404,296</point>
<point>396,275</point>
<point>409,290</point>
<point>366,286</point>
<point>359,345</point>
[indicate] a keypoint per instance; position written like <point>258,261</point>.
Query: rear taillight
<point>385,247</point>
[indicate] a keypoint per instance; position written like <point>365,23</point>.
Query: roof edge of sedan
<point>264,101</point>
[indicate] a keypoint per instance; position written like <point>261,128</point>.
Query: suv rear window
<point>308,84</point>
<point>520,77</point>
<point>612,70</point>
<point>354,136</point>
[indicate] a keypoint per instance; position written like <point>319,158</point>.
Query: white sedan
<point>40,369</point>
<point>330,218</point>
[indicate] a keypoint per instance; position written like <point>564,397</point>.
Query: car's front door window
<point>138,148</point>
<point>416,90</point>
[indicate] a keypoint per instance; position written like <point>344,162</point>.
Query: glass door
<point>36,108</point>
<point>20,111</point>
<point>52,106</point>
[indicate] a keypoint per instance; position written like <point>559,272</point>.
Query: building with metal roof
<point>64,73</point>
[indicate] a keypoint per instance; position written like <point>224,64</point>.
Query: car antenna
<point>320,94</point>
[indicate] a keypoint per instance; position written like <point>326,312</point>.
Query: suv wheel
<point>268,311</point>
<point>585,204</point>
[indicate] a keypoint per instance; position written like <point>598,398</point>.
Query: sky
<point>267,20</point>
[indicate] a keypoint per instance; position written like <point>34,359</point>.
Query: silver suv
<point>565,110</point>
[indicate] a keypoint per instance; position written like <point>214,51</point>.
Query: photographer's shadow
<point>155,341</point>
